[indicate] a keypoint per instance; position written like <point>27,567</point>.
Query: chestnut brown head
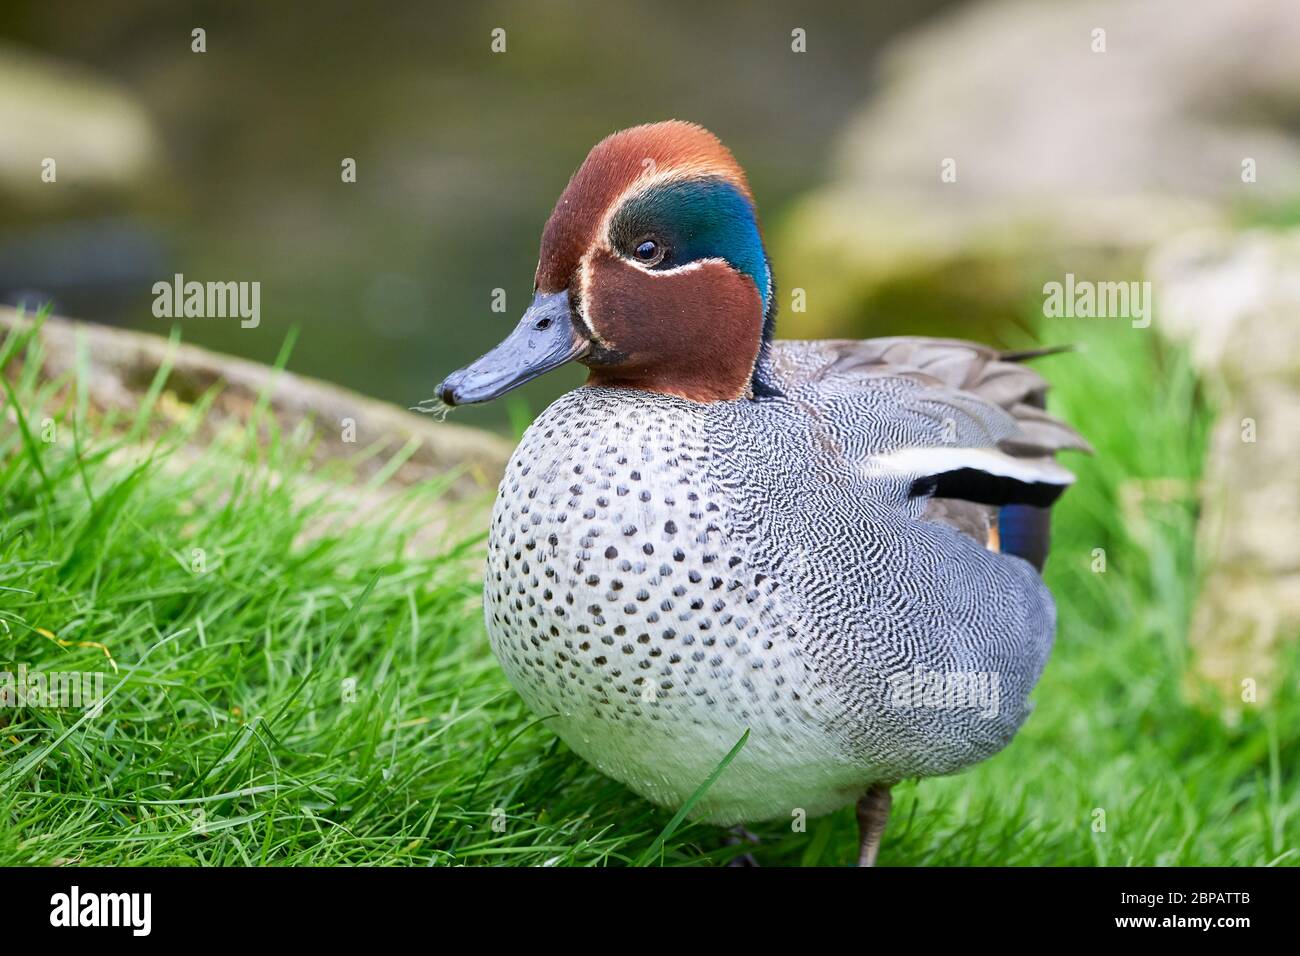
<point>652,273</point>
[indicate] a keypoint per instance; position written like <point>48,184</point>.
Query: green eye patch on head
<point>695,219</point>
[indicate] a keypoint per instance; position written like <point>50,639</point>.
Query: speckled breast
<point>622,606</point>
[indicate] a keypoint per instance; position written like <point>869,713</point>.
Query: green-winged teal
<point>834,545</point>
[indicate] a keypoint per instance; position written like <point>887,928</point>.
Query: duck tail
<point>1024,355</point>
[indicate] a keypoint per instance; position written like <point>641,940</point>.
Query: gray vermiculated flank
<point>664,575</point>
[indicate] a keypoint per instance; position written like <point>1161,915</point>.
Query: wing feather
<point>970,424</point>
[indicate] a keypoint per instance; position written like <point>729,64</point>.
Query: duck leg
<point>873,814</point>
<point>735,837</point>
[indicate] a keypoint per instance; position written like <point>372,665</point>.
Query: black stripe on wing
<point>972,484</point>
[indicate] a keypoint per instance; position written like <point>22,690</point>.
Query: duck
<point>821,559</point>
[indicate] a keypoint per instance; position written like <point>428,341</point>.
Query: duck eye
<point>648,251</point>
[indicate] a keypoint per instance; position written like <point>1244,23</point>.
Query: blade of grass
<point>656,848</point>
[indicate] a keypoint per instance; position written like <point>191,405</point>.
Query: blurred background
<point>225,165</point>
<point>1120,125</point>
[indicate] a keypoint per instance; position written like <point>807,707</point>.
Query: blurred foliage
<point>231,738</point>
<point>461,154</point>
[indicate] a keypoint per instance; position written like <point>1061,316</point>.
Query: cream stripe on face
<point>675,270</point>
<point>584,296</point>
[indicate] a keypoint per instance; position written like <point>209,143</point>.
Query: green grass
<point>231,737</point>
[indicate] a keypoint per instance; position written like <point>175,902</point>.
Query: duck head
<point>652,274</point>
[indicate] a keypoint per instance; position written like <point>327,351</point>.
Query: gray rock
<point>101,139</point>
<point>1235,300</point>
<point>1065,159</point>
